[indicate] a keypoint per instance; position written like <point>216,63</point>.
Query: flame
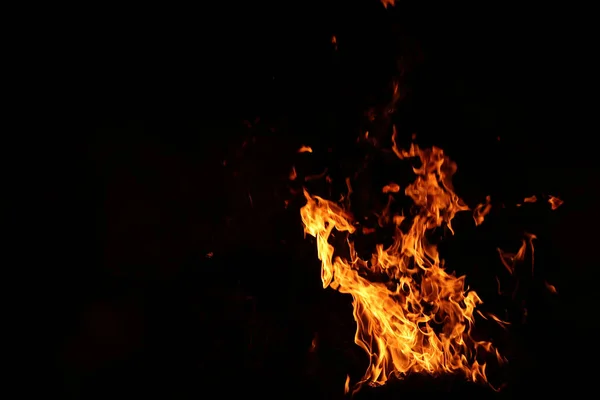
<point>313,344</point>
<point>305,149</point>
<point>317,176</point>
<point>551,288</point>
<point>347,385</point>
<point>481,211</point>
<point>293,174</point>
<point>391,188</point>
<point>387,3</point>
<point>555,202</point>
<point>510,260</point>
<point>415,317</point>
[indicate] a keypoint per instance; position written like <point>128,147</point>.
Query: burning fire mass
<point>324,201</point>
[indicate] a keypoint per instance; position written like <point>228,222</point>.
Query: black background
<point>149,103</point>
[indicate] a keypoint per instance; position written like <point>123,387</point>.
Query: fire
<point>481,211</point>
<point>305,149</point>
<point>510,260</point>
<point>391,188</point>
<point>419,317</point>
<point>551,288</point>
<point>555,202</point>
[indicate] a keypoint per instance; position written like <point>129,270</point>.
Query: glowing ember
<point>419,318</point>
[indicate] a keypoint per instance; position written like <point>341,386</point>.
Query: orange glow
<point>531,199</point>
<point>293,174</point>
<point>391,188</point>
<point>314,177</point>
<point>555,202</point>
<point>416,316</point>
<point>387,3</point>
<point>305,149</point>
<point>551,288</point>
<point>511,260</point>
<point>481,211</point>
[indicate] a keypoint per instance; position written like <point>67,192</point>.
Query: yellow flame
<point>419,317</point>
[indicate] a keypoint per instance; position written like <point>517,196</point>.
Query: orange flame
<point>419,317</point>
<point>305,149</point>
<point>555,202</point>
<point>510,260</point>
<point>391,188</point>
<point>551,288</point>
<point>313,344</point>
<point>481,211</point>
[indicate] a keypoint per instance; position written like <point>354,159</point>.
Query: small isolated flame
<point>510,260</point>
<point>551,288</point>
<point>419,317</point>
<point>305,149</point>
<point>387,3</point>
<point>391,188</point>
<point>555,202</point>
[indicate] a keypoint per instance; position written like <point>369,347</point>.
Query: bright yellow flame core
<point>420,320</point>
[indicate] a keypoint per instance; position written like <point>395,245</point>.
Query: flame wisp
<point>419,319</point>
